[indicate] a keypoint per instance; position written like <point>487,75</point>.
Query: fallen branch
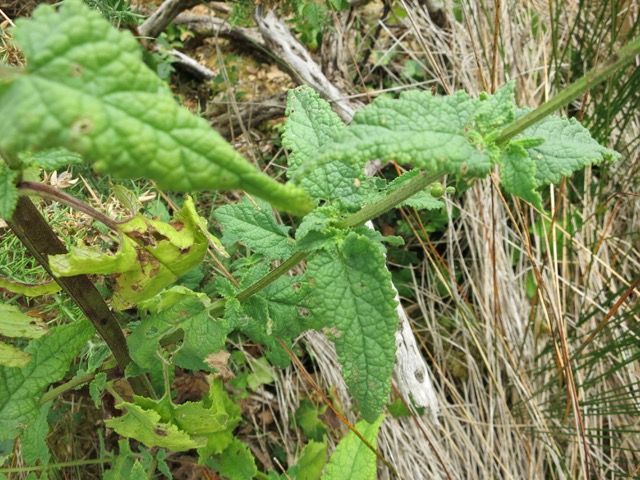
<point>163,16</point>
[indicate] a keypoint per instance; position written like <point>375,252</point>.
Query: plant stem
<point>65,387</point>
<point>587,82</point>
<point>41,241</point>
<point>366,213</point>
<point>75,463</point>
<point>395,198</point>
<point>47,191</point>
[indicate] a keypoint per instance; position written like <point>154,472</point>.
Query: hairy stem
<point>368,212</point>
<point>41,241</point>
<point>47,191</point>
<point>626,55</point>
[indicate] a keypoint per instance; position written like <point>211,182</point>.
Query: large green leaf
<point>310,126</point>
<point>352,294</point>
<point>432,132</point>
<point>177,309</point>
<point>87,89</point>
<point>352,458</point>
<point>22,388</point>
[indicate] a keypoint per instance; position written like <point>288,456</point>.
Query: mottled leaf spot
<point>82,126</point>
<point>76,70</point>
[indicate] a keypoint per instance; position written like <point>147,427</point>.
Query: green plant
<point>85,90</point>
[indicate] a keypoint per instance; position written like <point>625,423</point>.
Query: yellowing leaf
<point>152,255</point>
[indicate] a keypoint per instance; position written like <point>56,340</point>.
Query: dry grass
<point>534,348</point>
<point>538,382</point>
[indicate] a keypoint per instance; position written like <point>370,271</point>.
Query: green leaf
<point>217,442</point>
<point>311,462</point>
<point>15,324</point>
<point>178,309</point>
<point>352,458</point>
<point>435,133</point>
<point>52,159</point>
<point>352,293</point>
<point>255,227</point>
<point>567,147</point>
<point>310,125</point>
<point>84,260</point>
<point>237,462</point>
<point>307,418</point>
<point>497,110</point>
<point>274,314</point>
<point>122,463</point>
<point>422,200</point>
<point>316,230</point>
<point>96,387</point>
<point>34,446</point>
<point>178,427</point>
<point>127,198</point>
<point>147,427</point>
<point>546,152</point>
<point>517,173</point>
<point>22,388</point>
<point>87,89</point>
<point>29,289</point>
<point>11,356</point>
<point>8,191</point>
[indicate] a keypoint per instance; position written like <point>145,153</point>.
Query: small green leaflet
<point>310,125</point>
<point>87,89</point>
<point>255,226</point>
<point>52,159</point>
<point>421,201</point>
<point>310,463</point>
<point>177,309</point>
<point>237,462</point>
<point>352,294</point>
<point>352,458</point>
<point>161,423</point>
<point>22,388</point>
<point>15,324</point>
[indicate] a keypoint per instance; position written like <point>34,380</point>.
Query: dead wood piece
<point>305,70</point>
<point>192,66</point>
<point>163,16</point>
<point>210,26</point>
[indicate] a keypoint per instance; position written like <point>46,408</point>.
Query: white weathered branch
<point>163,16</point>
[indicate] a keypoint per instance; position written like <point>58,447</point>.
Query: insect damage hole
<point>82,126</point>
